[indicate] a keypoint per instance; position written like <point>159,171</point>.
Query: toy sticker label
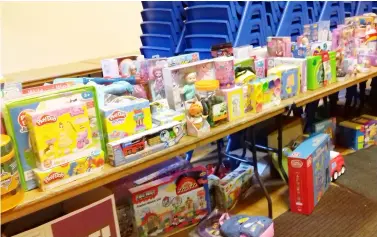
<point>29,175</point>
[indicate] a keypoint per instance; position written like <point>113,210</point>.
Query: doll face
<point>158,73</point>
<point>132,70</point>
<point>190,78</point>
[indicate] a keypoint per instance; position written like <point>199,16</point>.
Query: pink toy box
<point>279,46</point>
<point>171,203</point>
<point>308,170</point>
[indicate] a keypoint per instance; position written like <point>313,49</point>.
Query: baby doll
<point>188,89</point>
<point>195,113</point>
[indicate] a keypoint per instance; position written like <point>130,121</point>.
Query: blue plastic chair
<point>149,51</point>
<point>229,3</point>
<point>156,40</point>
<point>219,27</point>
<point>181,46</point>
<point>212,12</point>
<point>295,16</point>
<point>333,9</point>
<point>175,5</point>
<point>161,14</point>
<point>350,8</point>
<point>159,27</point>
<point>364,7</point>
<point>205,40</point>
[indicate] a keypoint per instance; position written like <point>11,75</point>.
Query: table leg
<point>256,173</point>
<point>280,146</point>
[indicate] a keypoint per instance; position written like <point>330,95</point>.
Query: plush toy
<point>247,226</point>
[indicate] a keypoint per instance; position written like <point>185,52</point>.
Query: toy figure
<point>188,89</point>
<point>339,63</point>
<point>353,70</point>
<point>82,139</point>
<point>205,71</point>
<point>279,48</point>
<point>158,85</point>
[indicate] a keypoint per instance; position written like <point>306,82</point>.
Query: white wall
<point>41,34</point>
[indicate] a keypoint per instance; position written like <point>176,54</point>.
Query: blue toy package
<point>183,59</point>
<point>299,51</point>
<point>327,126</point>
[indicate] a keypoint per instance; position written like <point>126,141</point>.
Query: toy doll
<point>188,89</point>
<point>64,140</point>
<point>205,71</point>
<point>158,84</point>
<point>195,113</point>
<point>339,63</point>
<point>279,52</point>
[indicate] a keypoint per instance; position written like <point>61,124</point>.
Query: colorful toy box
<point>235,103</point>
<point>260,67</point>
<point>68,172</point>
<point>315,75</point>
<point>182,59</point>
<point>15,112</point>
<point>350,135</point>
<point>254,99</point>
<point>59,135</point>
<point>171,203</point>
<point>309,175</point>
<point>332,57</point>
<point>300,62</point>
<point>279,46</point>
<point>370,128</point>
<point>130,116</point>
<point>121,67</point>
<point>271,87</point>
<point>290,83</point>
<point>229,189</point>
<point>317,47</point>
<point>327,126</point>
<point>133,147</point>
<point>180,81</point>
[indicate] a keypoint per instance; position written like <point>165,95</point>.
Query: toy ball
<point>248,226</point>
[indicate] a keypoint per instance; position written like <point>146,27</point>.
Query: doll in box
<point>279,46</point>
<point>188,89</point>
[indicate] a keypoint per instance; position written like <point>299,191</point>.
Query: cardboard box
<point>309,174</point>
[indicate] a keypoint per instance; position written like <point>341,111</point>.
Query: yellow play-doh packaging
<point>235,102</point>
<point>68,172</point>
<point>59,135</point>
<point>254,96</point>
<point>126,118</point>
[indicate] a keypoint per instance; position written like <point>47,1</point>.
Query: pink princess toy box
<point>308,170</point>
<point>171,203</point>
<point>279,46</point>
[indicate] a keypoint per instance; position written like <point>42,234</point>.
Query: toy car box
<point>309,175</point>
<point>171,203</point>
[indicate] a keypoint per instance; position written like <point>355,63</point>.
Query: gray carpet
<point>361,172</point>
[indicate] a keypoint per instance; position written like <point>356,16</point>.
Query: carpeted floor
<point>340,212</point>
<point>361,173</point>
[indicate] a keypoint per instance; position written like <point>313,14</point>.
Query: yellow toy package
<point>289,78</point>
<point>68,172</point>
<point>126,116</point>
<point>254,97</point>
<point>236,105</point>
<point>59,135</point>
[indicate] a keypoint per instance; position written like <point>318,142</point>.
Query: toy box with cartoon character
<point>180,81</point>
<point>315,75</point>
<point>182,59</point>
<point>370,128</point>
<point>235,103</point>
<point>58,136</point>
<point>122,67</point>
<point>300,62</point>
<point>271,87</point>
<point>290,83</point>
<point>130,115</point>
<point>327,126</point>
<point>171,203</point>
<point>68,172</point>
<point>254,98</point>
<point>15,112</point>
<point>229,189</point>
<point>299,51</point>
<point>317,47</point>
<point>309,174</point>
<point>133,147</point>
<point>279,46</point>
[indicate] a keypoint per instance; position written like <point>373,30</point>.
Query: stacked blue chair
<point>162,27</point>
<point>333,12</point>
<point>350,8</point>
<point>314,10</point>
<point>374,7</point>
<point>294,17</point>
<point>274,10</point>
<point>253,29</point>
<point>364,7</point>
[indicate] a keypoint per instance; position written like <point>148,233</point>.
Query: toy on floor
<point>247,226</point>
<point>210,227</point>
<point>337,166</point>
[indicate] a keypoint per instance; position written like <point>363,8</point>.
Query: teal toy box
<point>350,135</point>
<point>309,174</point>
<point>14,114</point>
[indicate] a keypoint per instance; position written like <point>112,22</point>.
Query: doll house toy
<point>279,46</point>
<point>170,203</point>
<point>290,83</point>
<point>180,82</point>
<point>309,174</point>
<point>126,116</point>
<point>337,167</point>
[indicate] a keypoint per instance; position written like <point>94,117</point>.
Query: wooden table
<point>36,200</point>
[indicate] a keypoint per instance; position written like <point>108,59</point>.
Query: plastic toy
<point>68,172</point>
<point>221,50</point>
<point>230,188</point>
<point>197,124</point>
<point>170,203</point>
<point>254,99</point>
<point>308,171</point>
<point>301,63</point>
<point>157,84</point>
<point>182,59</point>
<point>58,135</point>
<point>290,83</point>
<point>337,167</point>
<point>271,87</point>
<point>340,72</point>
<point>315,75</point>
<point>14,115</point>
<point>224,72</point>
<point>133,147</point>
<point>11,192</point>
<point>212,100</point>
<point>370,128</point>
<point>299,51</point>
<point>235,103</point>
<point>210,226</point>
<point>327,126</point>
<point>243,225</point>
<point>279,46</point>
<point>317,47</point>
<point>126,116</point>
<point>244,71</point>
<point>122,67</point>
